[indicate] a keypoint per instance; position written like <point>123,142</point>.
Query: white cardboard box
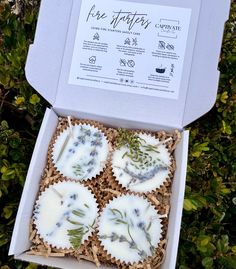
<point>48,69</point>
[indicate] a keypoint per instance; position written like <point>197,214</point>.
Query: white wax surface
<point>81,155</point>
<point>136,178</point>
<point>54,208</point>
<point>137,212</point>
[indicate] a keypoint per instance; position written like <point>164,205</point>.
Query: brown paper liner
<point>150,262</point>
<point>63,125</point>
<point>105,187</point>
<point>171,145</point>
<point>41,247</point>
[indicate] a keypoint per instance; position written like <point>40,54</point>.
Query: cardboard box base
<point>20,240</point>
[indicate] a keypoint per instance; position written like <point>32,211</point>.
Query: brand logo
<point>168,28</point>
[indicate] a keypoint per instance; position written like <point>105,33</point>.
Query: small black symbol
<point>127,81</point>
<point>96,37</point>
<point>172,67</point>
<point>122,62</point>
<point>161,45</point>
<point>161,70</point>
<point>170,47</point>
<point>127,41</point>
<point>92,60</point>
<point>131,63</point>
<point>134,41</point>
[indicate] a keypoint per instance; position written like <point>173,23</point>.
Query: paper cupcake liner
<point>40,241</point>
<point>151,262</point>
<point>162,136</point>
<point>49,177</point>
<point>64,125</point>
<point>105,255</point>
<point>109,187</point>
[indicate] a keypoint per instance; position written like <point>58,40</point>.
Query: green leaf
<point>224,97</point>
<point>32,266</point>
<point>5,267</point>
<point>79,213</point>
<point>114,211</point>
<point>233,249</point>
<point>76,236</point>
<point>189,205</point>
<point>198,149</point>
<point>203,249</point>
<point>223,244</point>
<point>3,240</point>
<point>230,262</point>
<point>205,241</point>
<point>183,267</point>
<point>207,262</point>
<point>34,99</point>
<point>226,128</point>
<point>234,200</point>
<point>7,212</point>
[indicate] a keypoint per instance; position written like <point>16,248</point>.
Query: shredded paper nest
<point>105,187</point>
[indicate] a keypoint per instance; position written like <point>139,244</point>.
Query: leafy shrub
<point>208,235</point>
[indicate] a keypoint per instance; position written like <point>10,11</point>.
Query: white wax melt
<point>80,152</point>
<point>62,209</point>
<point>147,170</point>
<point>130,229</point>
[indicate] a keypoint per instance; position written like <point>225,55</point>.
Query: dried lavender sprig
<point>114,237</point>
<point>119,219</point>
<point>142,226</point>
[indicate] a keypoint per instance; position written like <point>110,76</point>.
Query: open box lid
<point>179,39</point>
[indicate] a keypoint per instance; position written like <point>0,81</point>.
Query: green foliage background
<point>208,235</point>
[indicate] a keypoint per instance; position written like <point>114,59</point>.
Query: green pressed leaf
<point>114,211</point>
<point>78,213</point>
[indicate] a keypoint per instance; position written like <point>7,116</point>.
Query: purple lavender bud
<point>122,238</point>
<point>132,245</point>
<point>137,212</point>
<point>76,144</point>
<point>91,162</point>
<point>114,237</point>
<point>141,225</point>
<point>93,153</point>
